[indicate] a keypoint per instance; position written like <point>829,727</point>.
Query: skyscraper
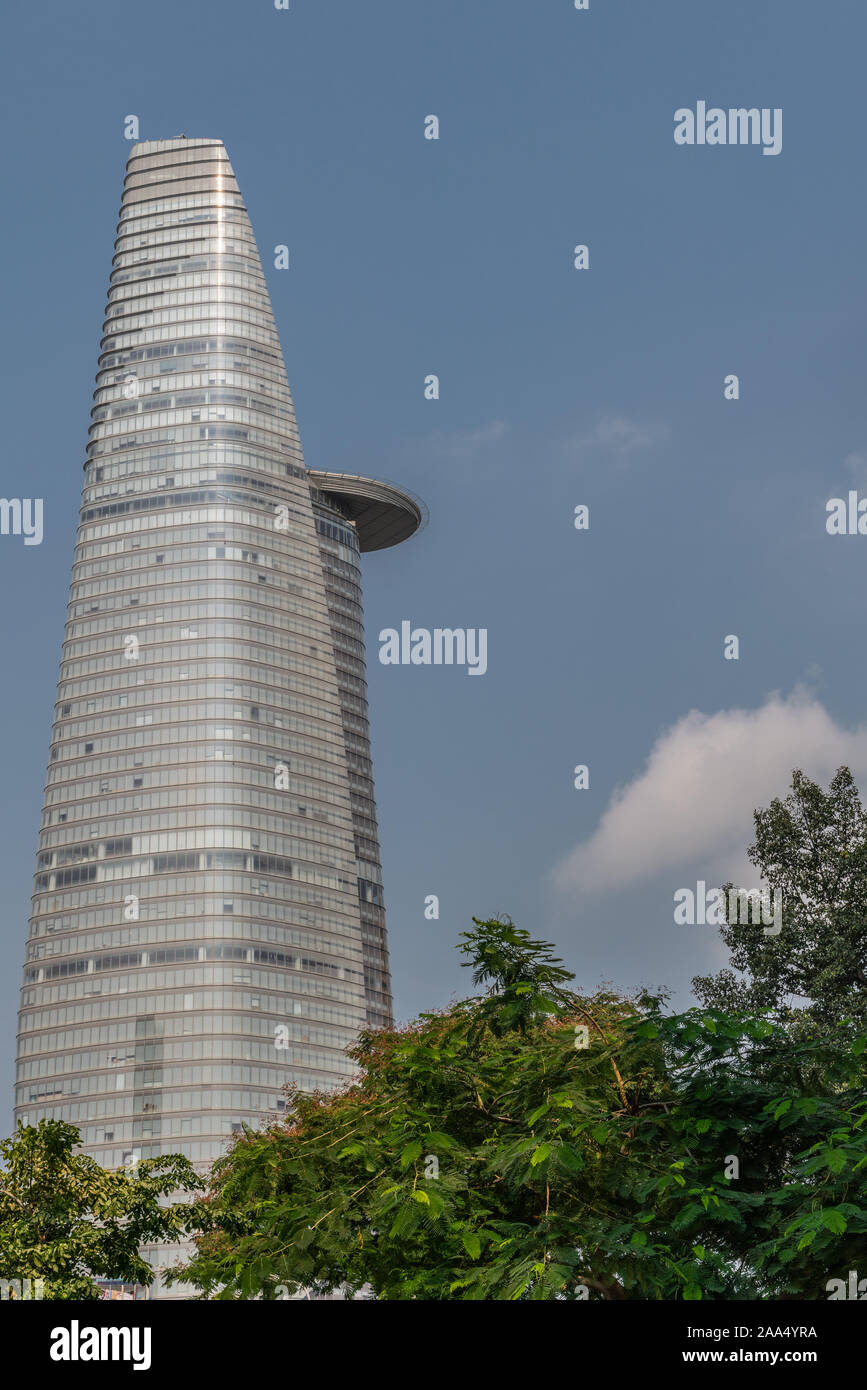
<point>207,919</point>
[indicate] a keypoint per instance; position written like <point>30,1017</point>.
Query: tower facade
<point>207,920</point>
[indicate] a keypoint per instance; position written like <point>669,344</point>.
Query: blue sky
<point>558,387</point>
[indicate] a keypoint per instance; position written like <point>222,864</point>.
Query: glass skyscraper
<point>207,919</point>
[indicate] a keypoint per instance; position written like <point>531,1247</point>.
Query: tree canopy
<point>67,1221</point>
<point>812,848</point>
<point>532,1143</point>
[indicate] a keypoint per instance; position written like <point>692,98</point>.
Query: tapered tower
<point>207,918</point>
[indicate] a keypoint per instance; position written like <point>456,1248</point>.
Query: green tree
<point>66,1220</point>
<point>812,847</point>
<point>531,1143</point>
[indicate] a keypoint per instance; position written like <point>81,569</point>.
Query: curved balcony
<point>383,514</point>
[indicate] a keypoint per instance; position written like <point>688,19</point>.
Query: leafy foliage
<point>484,1153</point>
<point>66,1220</point>
<point>813,848</point>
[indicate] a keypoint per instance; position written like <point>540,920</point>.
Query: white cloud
<point>857,465</point>
<point>621,438</point>
<point>693,802</point>
<point>464,445</point>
